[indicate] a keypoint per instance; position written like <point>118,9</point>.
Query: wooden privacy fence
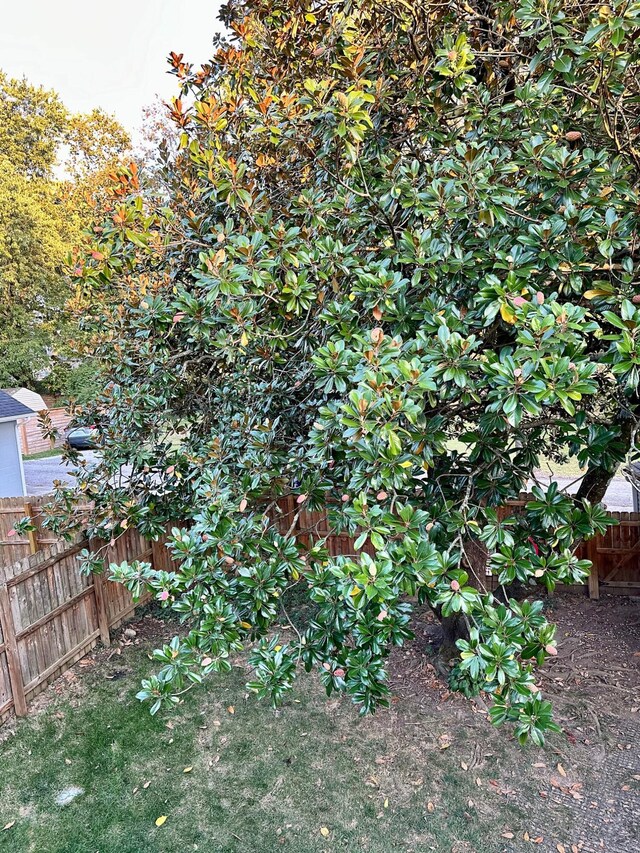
<point>51,615</point>
<point>31,437</point>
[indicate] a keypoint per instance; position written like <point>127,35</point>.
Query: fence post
<point>11,647</point>
<point>101,608</point>
<point>33,539</point>
<point>23,436</point>
<point>594,579</point>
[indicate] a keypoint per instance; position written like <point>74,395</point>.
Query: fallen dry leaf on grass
<point>324,832</point>
<point>160,820</point>
<point>444,741</point>
<point>8,825</point>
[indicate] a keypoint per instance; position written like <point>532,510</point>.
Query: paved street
<point>40,473</point>
<point>619,496</point>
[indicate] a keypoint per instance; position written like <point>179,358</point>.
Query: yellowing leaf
<point>160,820</point>
<point>597,291</point>
<point>244,340</point>
<point>386,803</point>
<point>406,464</point>
<point>324,832</point>
<point>187,769</point>
<point>507,314</point>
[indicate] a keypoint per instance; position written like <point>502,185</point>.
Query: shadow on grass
<point>312,777</point>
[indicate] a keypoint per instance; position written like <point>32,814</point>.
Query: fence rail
<point>12,510</point>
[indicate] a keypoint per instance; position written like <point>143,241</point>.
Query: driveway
<point>40,474</point>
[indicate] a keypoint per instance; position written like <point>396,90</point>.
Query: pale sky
<point>109,54</point>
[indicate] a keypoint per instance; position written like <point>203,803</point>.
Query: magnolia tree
<point>392,270</point>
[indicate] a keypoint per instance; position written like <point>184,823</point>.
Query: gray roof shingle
<point>10,408</point>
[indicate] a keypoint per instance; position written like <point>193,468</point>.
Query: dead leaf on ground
<point>444,741</point>
<point>8,825</point>
<point>160,820</point>
<point>324,832</point>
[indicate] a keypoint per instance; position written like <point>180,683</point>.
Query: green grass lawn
<point>429,774</point>
<point>44,454</point>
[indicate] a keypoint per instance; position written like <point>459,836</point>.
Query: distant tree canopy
<point>396,267</point>
<point>42,217</point>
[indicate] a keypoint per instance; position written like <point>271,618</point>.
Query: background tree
<point>395,268</point>
<point>42,217</point>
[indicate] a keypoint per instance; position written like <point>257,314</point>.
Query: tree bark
<point>453,628</point>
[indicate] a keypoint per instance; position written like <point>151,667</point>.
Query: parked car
<point>82,437</point>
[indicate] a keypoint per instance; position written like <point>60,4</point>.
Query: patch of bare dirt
<point>598,652</point>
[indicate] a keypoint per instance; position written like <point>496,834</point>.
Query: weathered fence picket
<point>51,615</point>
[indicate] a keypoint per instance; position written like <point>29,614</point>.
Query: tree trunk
<point>453,628</point>
<point>596,481</point>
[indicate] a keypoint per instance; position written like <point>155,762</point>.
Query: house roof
<point>11,410</point>
<point>27,397</point>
